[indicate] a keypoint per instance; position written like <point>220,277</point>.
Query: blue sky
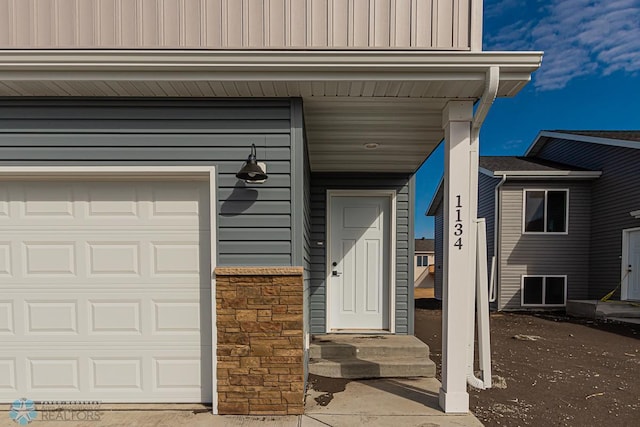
<point>589,79</point>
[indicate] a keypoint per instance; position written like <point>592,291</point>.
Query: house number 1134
<point>457,227</point>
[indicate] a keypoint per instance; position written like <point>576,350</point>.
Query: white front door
<point>359,262</point>
<point>105,291</point>
<point>633,266</point>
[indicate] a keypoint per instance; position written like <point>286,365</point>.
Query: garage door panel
<point>8,377</point>
<point>106,291</point>
<point>78,204</point>
<point>7,320</point>
<point>119,257</point>
<point>164,317</point>
<point>150,375</point>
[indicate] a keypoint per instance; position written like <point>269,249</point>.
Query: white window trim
<point>391,194</point>
<point>524,212</point>
<point>544,284</point>
<point>624,287</point>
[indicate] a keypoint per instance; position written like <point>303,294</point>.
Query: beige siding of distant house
<point>419,281</point>
<point>241,24</point>
<point>543,254</point>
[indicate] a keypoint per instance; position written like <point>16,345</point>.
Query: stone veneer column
<point>260,340</point>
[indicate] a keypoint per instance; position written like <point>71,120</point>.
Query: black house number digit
<point>458,230</point>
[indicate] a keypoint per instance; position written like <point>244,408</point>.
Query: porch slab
<point>369,356</point>
<point>596,309</point>
<point>384,402</point>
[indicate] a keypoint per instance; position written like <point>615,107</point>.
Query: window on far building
<point>545,211</point>
<point>544,290</point>
<point>422,261</point>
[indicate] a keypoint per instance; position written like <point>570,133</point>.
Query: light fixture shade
<point>251,171</point>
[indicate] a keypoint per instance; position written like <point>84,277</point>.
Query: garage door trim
<point>204,173</point>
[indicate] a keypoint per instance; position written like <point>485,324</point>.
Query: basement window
<point>546,211</point>
<point>544,291</point>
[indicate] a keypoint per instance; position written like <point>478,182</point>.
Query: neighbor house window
<point>423,260</point>
<point>545,211</point>
<point>544,290</point>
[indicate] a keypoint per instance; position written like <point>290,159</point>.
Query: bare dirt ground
<point>567,372</point>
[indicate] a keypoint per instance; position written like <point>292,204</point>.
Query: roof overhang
<point>556,174</point>
<point>351,97</point>
<point>544,136</point>
<point>635,214</point>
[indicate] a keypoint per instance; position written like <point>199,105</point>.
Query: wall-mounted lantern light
<point>252,171</point>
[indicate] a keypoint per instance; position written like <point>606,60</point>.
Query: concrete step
<point>335,346</point>
<point>381,367</point>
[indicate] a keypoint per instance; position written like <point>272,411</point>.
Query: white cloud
<point>579,37</point>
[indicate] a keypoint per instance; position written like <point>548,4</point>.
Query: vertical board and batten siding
<point>240,24</point>
<point>254,221</point>
<point>320,183</point>
<point>543,254</point>
<point>614,195</point>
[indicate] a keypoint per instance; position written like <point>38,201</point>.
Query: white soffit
<point>392,98</point>
<point>404,131</point>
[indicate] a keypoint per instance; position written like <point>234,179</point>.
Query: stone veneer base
<point>260,340</point>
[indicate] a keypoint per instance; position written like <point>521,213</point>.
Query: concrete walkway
<point>385,402</point>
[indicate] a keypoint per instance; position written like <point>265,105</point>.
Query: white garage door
<point>105,291</point>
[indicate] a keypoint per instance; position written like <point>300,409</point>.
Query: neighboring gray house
<point>568,225</point>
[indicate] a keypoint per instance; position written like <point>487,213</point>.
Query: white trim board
<point>546,191</point>
<point>141,172</point>
<point>582,138</point>
<point>544,278</point>
<point>624,283</point>
<point>392,252</point>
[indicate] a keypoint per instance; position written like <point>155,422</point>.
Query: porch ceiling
<point>406,131</point>
<point>351,98</point>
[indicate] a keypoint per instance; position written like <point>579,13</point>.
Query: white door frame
<point>391,194</point>
<point>624,287</point>
<point>186,173</point>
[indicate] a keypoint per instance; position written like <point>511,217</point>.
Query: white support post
<point>458,255</point>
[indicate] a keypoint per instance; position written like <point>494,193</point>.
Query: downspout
<point>496,228</point>
<point>486,101</point>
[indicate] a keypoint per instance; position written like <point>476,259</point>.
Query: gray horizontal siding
<point>543,254</point>
<point>254,221</point>
<point>614,195</point>
<point>320,183</point>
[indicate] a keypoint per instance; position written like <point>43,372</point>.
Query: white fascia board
<point>582,138</point>
<point>635,214</point>
<point>549,174</point>
<point>435,200</point>
<point>486,172</point>
<point>256,65</point>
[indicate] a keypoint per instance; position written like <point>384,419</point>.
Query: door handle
<point>335,273</point>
